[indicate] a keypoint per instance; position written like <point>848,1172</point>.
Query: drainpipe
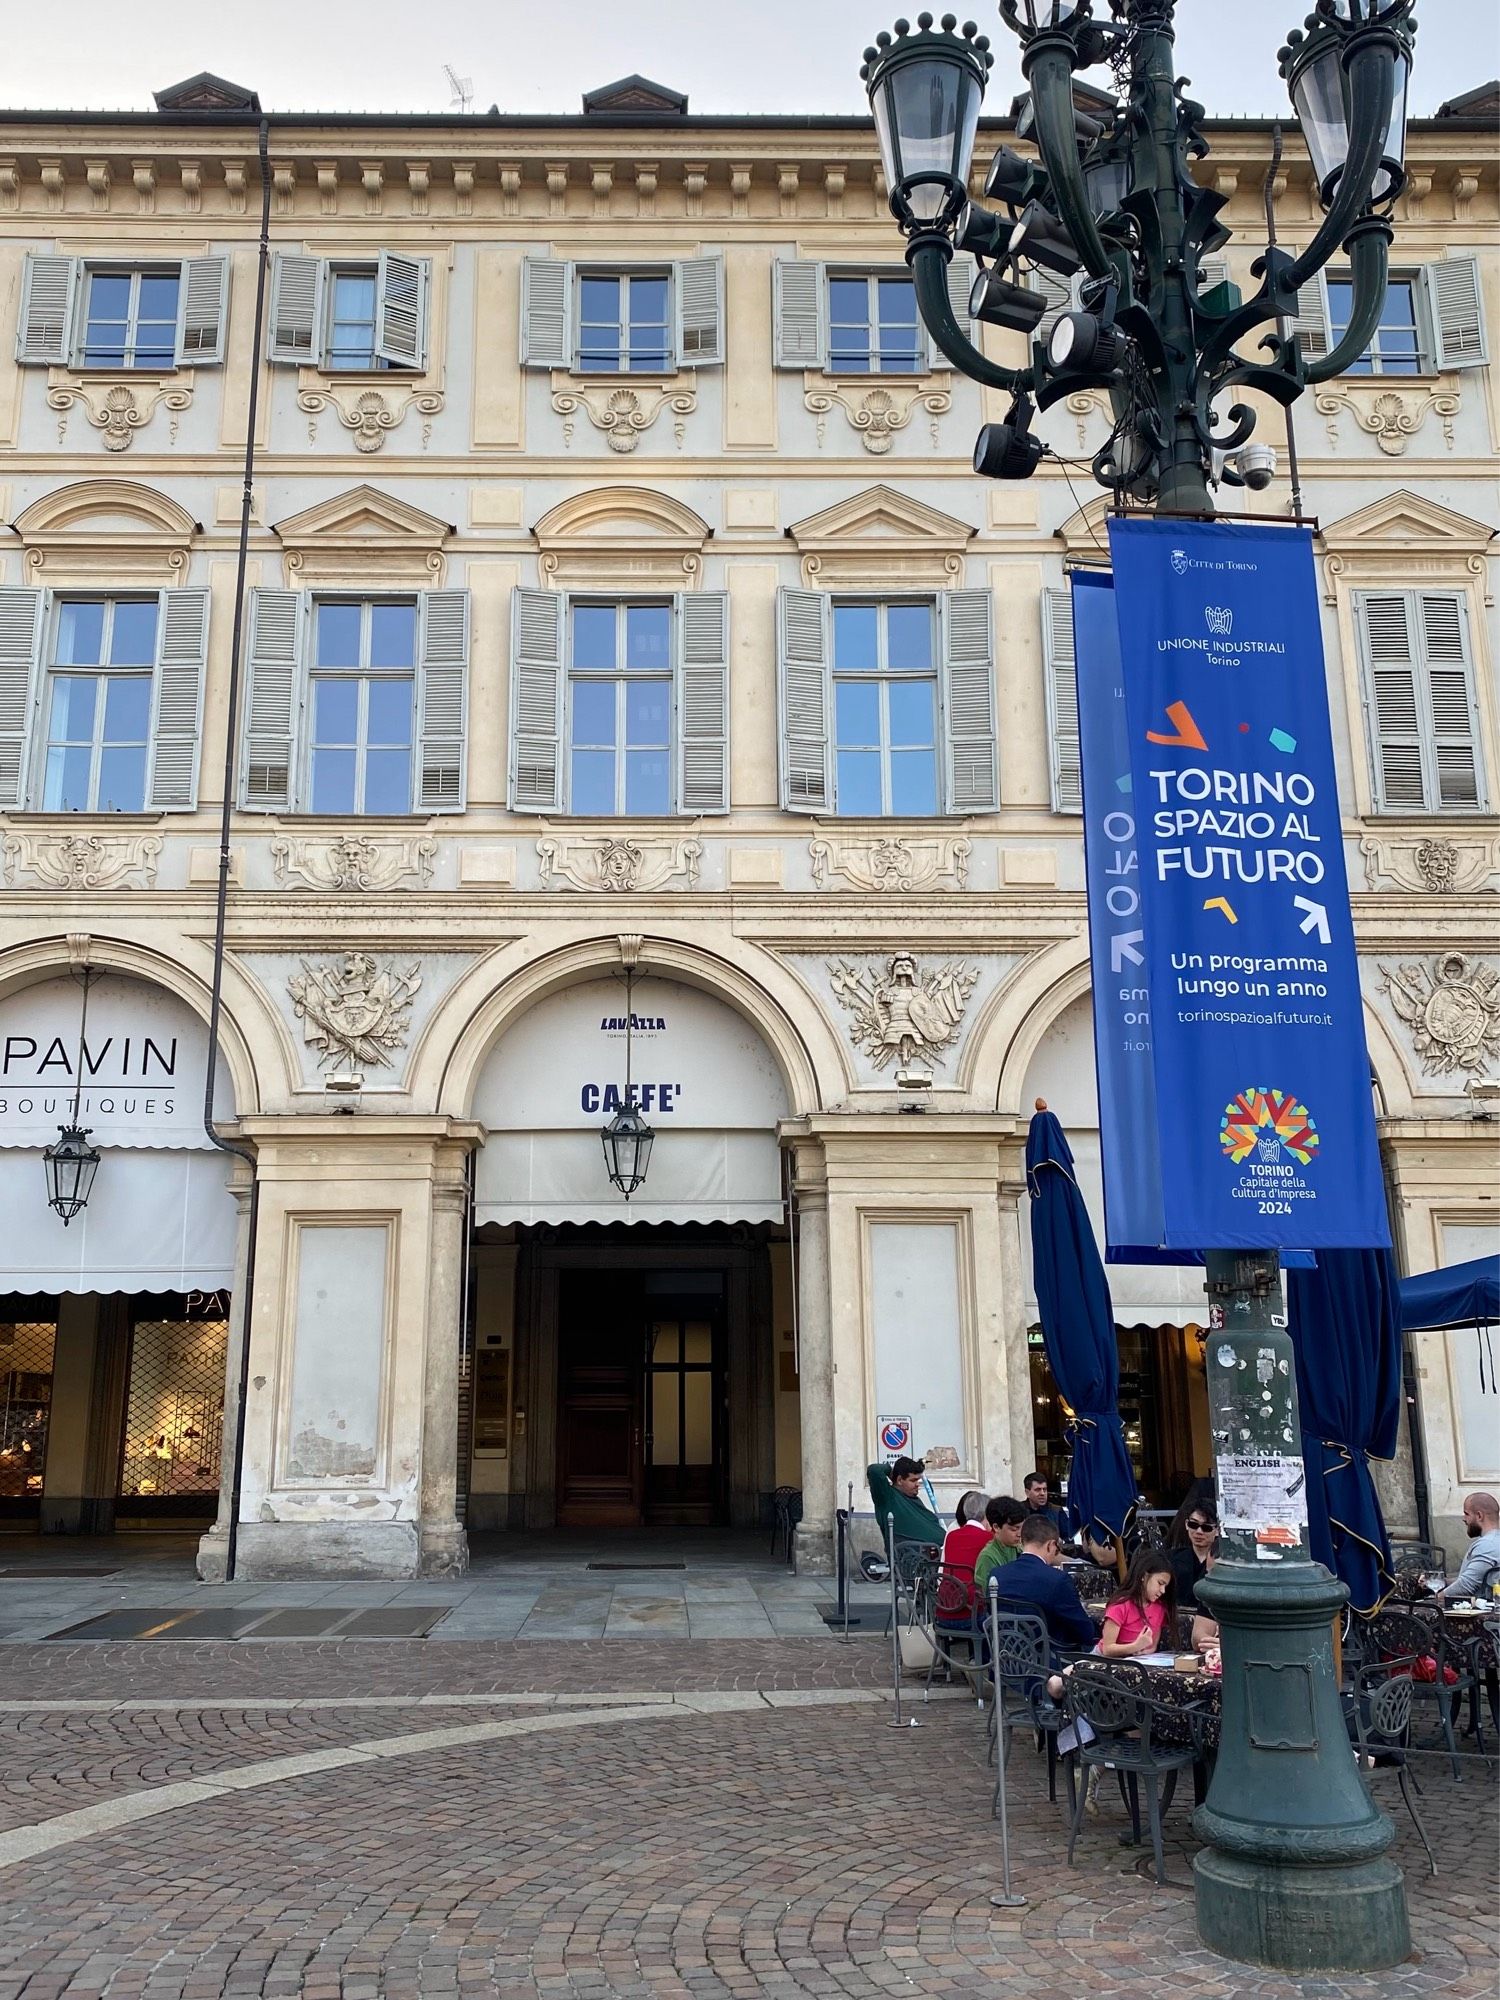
<point>231,762</point>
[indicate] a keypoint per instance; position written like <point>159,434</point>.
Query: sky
<point>740,55</point>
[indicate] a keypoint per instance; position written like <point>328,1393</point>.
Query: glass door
<point>684,1447</point>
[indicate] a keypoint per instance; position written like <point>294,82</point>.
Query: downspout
<point>226,809</point>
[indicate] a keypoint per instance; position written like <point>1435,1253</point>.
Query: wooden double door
<point>641,1425</point>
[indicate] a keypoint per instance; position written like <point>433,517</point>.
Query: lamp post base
<point>1302,1919</point>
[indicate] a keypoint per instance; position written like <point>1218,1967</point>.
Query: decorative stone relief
<point>354,1011</point>
<point>118,409</point>
<point>1436,866</point>
<point>903,1017</point>
<point>1390,419</point>
<point>82,860</point>
<point>1084,404</point>
<point>1452,1009</point>
<point>642,863</point>
<point>624,415</point>
<point>886,861</point>
<point>370,415</point>
<point>876,414</point>
<point>353,862</point>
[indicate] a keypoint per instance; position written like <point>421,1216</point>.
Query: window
<point>99,704</point>
<point>622,323</point>
<point>363,690</point>
<point>336,316</point>
<point>887,705</point>
<point>76,314</point>
<point>130,319</point>
<point>885,710</point>
<point>873,326</point>
<point>1059,667</point>
<point>1395,347</point>
<point>1420,700</point>
<point>620,709</point>
<point>351,319</point>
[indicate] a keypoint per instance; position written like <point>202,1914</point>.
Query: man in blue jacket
<point>1035,1582</point>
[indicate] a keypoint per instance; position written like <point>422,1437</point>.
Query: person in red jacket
<point>962,1547</point>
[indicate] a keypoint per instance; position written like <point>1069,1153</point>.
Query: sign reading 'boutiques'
<point>1263,1113</point>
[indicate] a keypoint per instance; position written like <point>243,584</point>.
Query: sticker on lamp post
<point>895,1434</point>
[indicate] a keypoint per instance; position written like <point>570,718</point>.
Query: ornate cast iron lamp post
<point>1296,1873</point>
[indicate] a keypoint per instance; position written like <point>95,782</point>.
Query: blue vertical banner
<point>1133,1226</point>
<point>1264,1119</point>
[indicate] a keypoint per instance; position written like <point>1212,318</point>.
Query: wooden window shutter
<point>1312,325</point>
<point>546,313</point>
<point>401,292</point>
<point>702,701</point>
<point>1455,771</point>
<point>44,329</point>
<point>21,616</point>
<point>1455,312</point>
<point>536,700</point>
<point>177,701</point>
<point>1388,646</point>
<point>442,700</point>
<point>297,287</point>
<point>700,312</point>
<point>202,312</point>
<point>960,274</point>
<point>1062,700</point>
<point>804,664</point>
<point>273,700</point>
<point>799,312</point>
<point>966,627</point>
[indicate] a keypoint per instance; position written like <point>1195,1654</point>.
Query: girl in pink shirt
<point>1145,1610</point>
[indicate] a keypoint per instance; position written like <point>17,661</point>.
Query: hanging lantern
<point>70,1165</point>
<point>627,1138</point>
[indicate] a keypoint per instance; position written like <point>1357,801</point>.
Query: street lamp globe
<point>1029,18</point>
<point>925,88</point>
<point>627,1149</point>
<point>1318,65</point>
<point>70,1165</point>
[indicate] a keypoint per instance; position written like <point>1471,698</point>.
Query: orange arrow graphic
<point>1222,903</point>
<point>1188,735</point>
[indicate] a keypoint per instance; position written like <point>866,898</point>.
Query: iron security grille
<point>174,1416</point>
<point>26,1349</point>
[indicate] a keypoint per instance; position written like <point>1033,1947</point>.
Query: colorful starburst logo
<point>1267,1123</point>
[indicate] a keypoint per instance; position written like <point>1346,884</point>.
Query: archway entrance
<point>633,1362</point>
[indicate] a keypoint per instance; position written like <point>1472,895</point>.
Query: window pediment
<point>106,530</point>
<point>878,538</point>
<point>1403,537</point>
<point>364,536</point>
<point>621,536</point>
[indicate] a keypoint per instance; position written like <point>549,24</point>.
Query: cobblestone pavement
<point>345,1822</point>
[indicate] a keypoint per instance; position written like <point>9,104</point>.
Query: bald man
<point>1482,1562</point>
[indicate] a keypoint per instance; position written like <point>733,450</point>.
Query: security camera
<point>1253,465</point>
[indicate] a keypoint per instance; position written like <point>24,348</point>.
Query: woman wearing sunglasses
<point>1192,1558</point>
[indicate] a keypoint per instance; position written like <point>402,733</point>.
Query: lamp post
<point>1296,1872</point>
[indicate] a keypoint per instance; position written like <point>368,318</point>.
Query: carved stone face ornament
<point>1453,1011</point>
<point>903,1017</point>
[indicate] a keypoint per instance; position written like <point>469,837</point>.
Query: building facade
<point>641,702</point>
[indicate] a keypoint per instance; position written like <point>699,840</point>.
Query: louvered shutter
<point>1212,271</point>
<point>1390,662</point>
<point>799,312</point>
<point>401,290</point>
<point>1062,700</point>
<point>1454,778</point>
<point>1060,293</point>
<point>1312,324</point>
<point>536,700</point>
<point>273,700</point>
<point>965,624</point>
<point>202,311</point>
<point>1455,312</point>
<point>442,701</point>
<point>703,701</point>
<point>804,632</point>
<point>546,313</point>
<point>700,312</point>
<point>177,701</point>
<point>44,330</point>
<point>297,285</point>
<point>961,274</point>
<point>20,658</point>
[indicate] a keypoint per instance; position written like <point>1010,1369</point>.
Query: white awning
<point>157,1221</point>
<point>693,1177</point>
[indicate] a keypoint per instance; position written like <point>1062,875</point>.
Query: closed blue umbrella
<point>1345,1323</point>
<point>1078,1328</point>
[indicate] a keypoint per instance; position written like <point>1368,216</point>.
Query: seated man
<point>1005,1518</point>
<point>896,1490</point>
<point>1033,1582</point>
<point>1482,1560</point>
<point>1038,1501</point>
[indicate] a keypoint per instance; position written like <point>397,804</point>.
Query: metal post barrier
<point>896,1721</point>
<point>841,1566</point>
<point>1004,1898</point>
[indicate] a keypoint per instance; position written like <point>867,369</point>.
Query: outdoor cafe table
<point>1174,1688</point>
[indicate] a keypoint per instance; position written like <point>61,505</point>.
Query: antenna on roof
<point>462,88</point>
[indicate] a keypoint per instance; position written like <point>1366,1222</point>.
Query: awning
<point>157,1221</point>
<point>1459,1295</point>
<point>695,1176</point>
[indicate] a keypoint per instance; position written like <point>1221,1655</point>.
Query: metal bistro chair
<point>786,1512</point>
<point>957,1621</point>
<point>1402,1635</point>
<point>1124,1721</point>
<point>916,1569</point>
<point>1410,1562</point>
<point>1024,1659</point>
<point>1382,1727</point>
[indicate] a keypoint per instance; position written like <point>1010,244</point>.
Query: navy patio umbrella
<point>1078,1329</point>
<point>1345,1322</point>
